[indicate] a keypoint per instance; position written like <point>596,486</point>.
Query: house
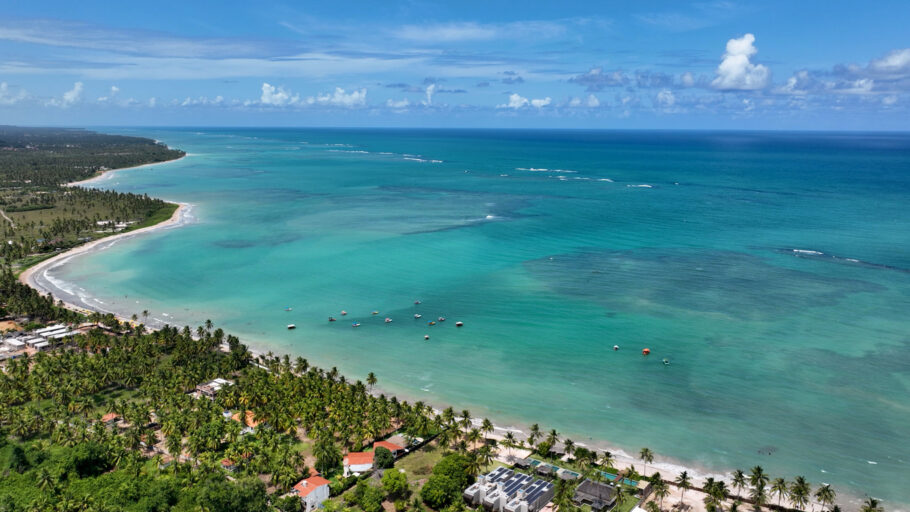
<point>15,343</point>
<point>503,490</point>
<point>396,450</point>
<point>358,462</point>
<point>598,496</point>
<point>312,492</point>
<point>249,422</point>
<point>228,465</point>
<point>209,389</point>
<point>110,418</point>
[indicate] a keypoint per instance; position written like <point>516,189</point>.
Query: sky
<point>724,64</point>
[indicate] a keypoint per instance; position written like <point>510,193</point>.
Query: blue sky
<point>838,65</point>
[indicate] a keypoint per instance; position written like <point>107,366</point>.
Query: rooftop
<point>358,458</point>
<point>307,486</point>
<point>392,447</point>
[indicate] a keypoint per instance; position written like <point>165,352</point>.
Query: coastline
<point>668,466</point>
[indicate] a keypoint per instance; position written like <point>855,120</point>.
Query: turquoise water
<point>798,361</point>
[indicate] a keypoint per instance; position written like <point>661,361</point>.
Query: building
<point>110,418</point>
<point>503,490</point>
<point>312,492</point>
<point>598,496</point>
<point>50,328</point>
<point>358,462</point>
<point>209,389</point>
<point>15,343</point>
<point>249,422</point>
<point>228,465</point>
<point>396,450</point>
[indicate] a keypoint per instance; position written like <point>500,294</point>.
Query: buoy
<point>615,347</point>
<point>343,313</point>
<point>459,324</point>
<point>426,336</point>
<point>645,351</point>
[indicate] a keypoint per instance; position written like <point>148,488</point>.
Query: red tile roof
<point>250,419</point>
<point>109,417</point>
<point>227,462</point>
<point>307,486</point>
<point>392,447</point>
<point>358,458</point>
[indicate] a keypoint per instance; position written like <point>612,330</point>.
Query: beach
<point>545,288</point>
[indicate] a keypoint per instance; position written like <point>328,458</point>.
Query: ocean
<point>770,270</point>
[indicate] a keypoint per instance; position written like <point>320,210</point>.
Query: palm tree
<point>569,446</point>
<point>371,380</point>
<point>825,495</point>
<point>758,496</point>
<point>533,434</point>
<point>606,460</point>
<point>871,505</point>
<point>799,492</point>
<point>647,456</point>
<point>739,481</point>
<point>757,477</point>
<point>781,488</point>
<point>684,483</point>
<point>661,491</point>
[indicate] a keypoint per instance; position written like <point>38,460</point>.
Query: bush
<point>395,484</point>
<point>383,458</point>
<point>440,491</point>
<point>455,466</point>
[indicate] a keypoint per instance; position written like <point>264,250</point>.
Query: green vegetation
<point>40,215</point>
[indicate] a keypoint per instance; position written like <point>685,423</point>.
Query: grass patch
<point>419,465</point>
<point>160,215</point>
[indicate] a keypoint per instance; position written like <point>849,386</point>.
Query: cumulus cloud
<point>277,96</point>
<point>516,101</point>
<point>8,97</point>
<point>111,95</point>
<point>687,79</point>
<point>429,92</point>
<point>70,97</point>
<point>397,104</point>
<point>736,71</point>
<point>897,62</point>
<point>202,101</point>
<point>666,98</point>
<point>340,98</point>
<point>590,102</point>
<point>597,80</point>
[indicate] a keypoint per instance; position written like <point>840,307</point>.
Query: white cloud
<point>111,95</point>
<point>736,71</point>
<point>340,98</point>
<point>471,31</point>
<point>69,98</point>
<point>277,96</point>
<point>202,101</point>
<point>665,98</point>
<point>889,100</point>
<point>397,104</point>
<point>8,97</point>
<point>897,62</point>
<point>153,101</point>
<point>687,79</point>
<point>430,90</point>
<point>516,101</point>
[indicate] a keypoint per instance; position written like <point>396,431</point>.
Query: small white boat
<point>375,312</point>
<point>417,315</point>
<point>615,347</point>
<point>291,326</point>
<point>459,324</point>
<point>388,320</point>
<point>442,319</point>
<point>344,313</point>
<point>426,336</point>
<point>355,324</point>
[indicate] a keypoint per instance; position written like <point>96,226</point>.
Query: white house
<point>312,492</point>
<point>358,462</point>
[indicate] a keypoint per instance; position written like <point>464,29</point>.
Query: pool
<point>611,477</point>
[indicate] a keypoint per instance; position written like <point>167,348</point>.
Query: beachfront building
<point>503,490</point>
<point>357,462</point>
<point>312,492</point>
<point>397,451</point>
<point>210,389</point>
<point>598,496</point>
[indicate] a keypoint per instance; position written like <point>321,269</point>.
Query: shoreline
<point>668,466</point>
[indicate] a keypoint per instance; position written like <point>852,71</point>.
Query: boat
<point>291,326</point>
<point>666,362</point>
<point>426,336</point>
<point>343,312</point>
<point>615,347</point>
<point>459,324</point>
<point>331,319</point>
<point>416,302</point>
<point>388,320</point>
<point>645,351</point>
<point>417,315</point>
<point>289,308</point>
<point>442,319</point>
<point>431,323</point>
<point>375,312</point>
<point>355,324</point>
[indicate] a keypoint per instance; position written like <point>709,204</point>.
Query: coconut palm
<point>684,483</point>
<point>781,488</point>
<point>371,380</point>
<point>799,492</point>
<point>757,477</point>
<point>871,505</point>
<point>661,491</point>
<point>647,456</point>
<point>825,495</point>
<point>606,460</point>
<point>739,481</point>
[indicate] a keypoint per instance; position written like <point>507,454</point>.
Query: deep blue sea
<point>772,271</point>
